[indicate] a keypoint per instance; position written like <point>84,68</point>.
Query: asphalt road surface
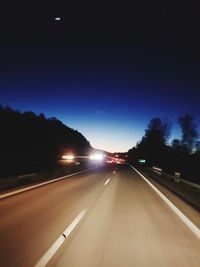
<point>110,217</point>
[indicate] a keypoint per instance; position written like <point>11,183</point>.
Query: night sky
<point>106,68</point>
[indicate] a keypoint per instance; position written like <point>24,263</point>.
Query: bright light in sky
<point>57,19</point>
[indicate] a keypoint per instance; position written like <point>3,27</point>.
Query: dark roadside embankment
<point>40,171</point>
<point>189,193</point>
<point>32,146</point>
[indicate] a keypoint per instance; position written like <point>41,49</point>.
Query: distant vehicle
<point>115,160</point>
<point>120,161</point>
<point>68,157</point>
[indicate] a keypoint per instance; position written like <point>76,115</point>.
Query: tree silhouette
<point>189,132</point>
<point>197,147</point>
<point>180,156</point>
<point>176,144</point>
<point>154,141</point>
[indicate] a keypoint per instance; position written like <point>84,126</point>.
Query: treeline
<point>178,156</point>
<point>26,134</point>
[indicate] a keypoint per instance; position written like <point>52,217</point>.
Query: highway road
<point>107,217</point>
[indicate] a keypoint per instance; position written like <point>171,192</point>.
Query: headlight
<point>68,157</point>
<point>96,157</point>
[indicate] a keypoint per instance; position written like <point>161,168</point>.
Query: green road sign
<point>142,161</point>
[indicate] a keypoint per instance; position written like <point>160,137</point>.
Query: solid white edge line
<point>184,219</point>
<point>107,181</point>
<point>58,243</point>
<point>41,184</point>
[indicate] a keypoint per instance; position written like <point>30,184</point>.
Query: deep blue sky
<point>103,70</point>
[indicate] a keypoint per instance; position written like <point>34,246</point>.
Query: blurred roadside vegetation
<point>30,142</point>
<point>176,156</point>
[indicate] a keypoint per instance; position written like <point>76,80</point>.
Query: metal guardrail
<point>176,177</point>
<point>180,180</point>
<point>32,178</point>
<point>27,175</point>
<point>190,183</point>
<point>157,170</point>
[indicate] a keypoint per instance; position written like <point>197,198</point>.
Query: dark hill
<point>26,134</point>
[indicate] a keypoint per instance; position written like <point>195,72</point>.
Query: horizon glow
<point>110,119</point>
<point>112,131</point>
